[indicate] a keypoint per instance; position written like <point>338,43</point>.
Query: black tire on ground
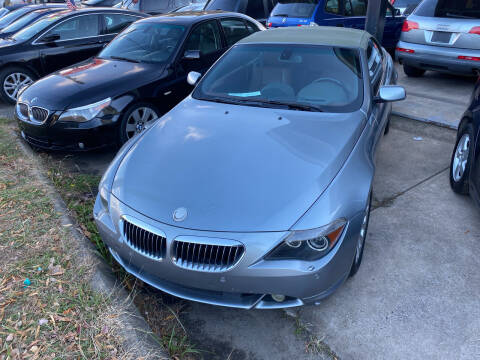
<point>412,71</point>
<point>357,261</point>
<point>4,73</point>
<point>461,186</point>
<point>122,132</point>
<point>387,128</point>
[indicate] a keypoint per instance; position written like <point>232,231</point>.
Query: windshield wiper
<point>124,59</point>
<point>292,106</point>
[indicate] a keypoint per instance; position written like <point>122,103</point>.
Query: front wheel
<point>135,119</point>
<point>362,236</point>
<point>461,159</point>
<point>12,80</point>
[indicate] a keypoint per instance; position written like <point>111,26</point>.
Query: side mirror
<point>193,77</point>
<point>50,38</point>
<point>192,55</point>
<point>391,93</point>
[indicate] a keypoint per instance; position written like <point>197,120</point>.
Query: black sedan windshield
<point>13,16</point>
<point>145,42</point>
<point>25,20</point>
<point>303,77</point>
<point>34,29</point>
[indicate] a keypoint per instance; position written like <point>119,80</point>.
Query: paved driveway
<point>435,97</point>
<point>416,294</point>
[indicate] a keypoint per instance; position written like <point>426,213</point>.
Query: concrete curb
<point>430,122</point>
<point>139,340</point>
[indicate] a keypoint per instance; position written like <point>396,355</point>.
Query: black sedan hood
<point>89,82</point>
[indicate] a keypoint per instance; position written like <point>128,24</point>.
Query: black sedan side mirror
<point>50,38</point>
<point>192,55</point>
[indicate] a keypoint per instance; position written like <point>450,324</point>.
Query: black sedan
<point>465,165</point>
<point>28,19</point>
<point>18,13</point>
<point>138,77</point>
<point>57,41</point>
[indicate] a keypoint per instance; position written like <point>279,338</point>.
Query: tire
<point>387,128</point>
<point>460,163</point>
<point>126,130</point>
<point>412,71</point>
<point>357,260</point>
<point>12,79</point>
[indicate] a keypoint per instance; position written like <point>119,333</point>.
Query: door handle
<point>340,25</point>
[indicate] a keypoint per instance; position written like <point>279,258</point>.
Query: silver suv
<point>441,35</point>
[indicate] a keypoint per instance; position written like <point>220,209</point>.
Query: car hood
<point>235,168</point>
<point>90,81</point>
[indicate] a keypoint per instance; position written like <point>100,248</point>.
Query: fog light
<point>81,146</point>
<point>278,298</point>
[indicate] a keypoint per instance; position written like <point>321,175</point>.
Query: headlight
<point>84,113</point>
<point>309,245</point>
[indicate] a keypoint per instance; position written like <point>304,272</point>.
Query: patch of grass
<point>47,309</point>
<point>79,190</point>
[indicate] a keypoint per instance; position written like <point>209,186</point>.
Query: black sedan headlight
<point>309,245</point>
<point>84,113</point>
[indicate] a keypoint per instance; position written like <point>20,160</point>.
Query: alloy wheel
<point>460,159</point>
<point>14,82</point>
<point>138,119</point>
<point>363,234</point>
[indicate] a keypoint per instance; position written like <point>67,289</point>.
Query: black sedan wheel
<point>362,236</point>
<point>460,164</point>
<point>135,119</point>
<point>12,80</point>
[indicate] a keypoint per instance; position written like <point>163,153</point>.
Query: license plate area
<point>441,37</point>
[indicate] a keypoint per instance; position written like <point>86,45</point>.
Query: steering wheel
<point>335,81</point>
<point>310,89</point>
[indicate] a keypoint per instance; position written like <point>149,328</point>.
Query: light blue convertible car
<point>254,192</point>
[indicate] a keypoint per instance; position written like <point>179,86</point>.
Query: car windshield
<point>145,42</point>
<point>24,20</point>
<point>299,77</point>
<point>295,8</point>
<point>12,16</point>
<point>35,28</point>
<point>461,9</point>
<point>405,3</point>
<point>3,11</point>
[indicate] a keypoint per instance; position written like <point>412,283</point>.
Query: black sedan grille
<point>33,114</point>
<point>144,241</point>
<point>39,114</point>
<point>206,257</point>
<point>23,110</point>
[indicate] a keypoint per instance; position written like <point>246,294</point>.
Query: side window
<point>355,8</point>
<point>76,28</point>
<point>375,67</point>
<point>234,30</point>
<point>332,7</point>
<point>205,38</point>
<point>251,27</point>
<point>255,9</point>
<point>115,23</point>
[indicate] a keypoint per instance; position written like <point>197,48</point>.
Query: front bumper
<point>249,284</point>
<point>438,58</point>
<point>55,135</point>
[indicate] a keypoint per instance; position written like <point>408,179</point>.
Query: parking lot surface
<point>416,294</point>
<point>435,97</point>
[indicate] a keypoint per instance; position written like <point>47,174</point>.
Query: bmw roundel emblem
<point>180,214</point>
<point>284,20</point>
